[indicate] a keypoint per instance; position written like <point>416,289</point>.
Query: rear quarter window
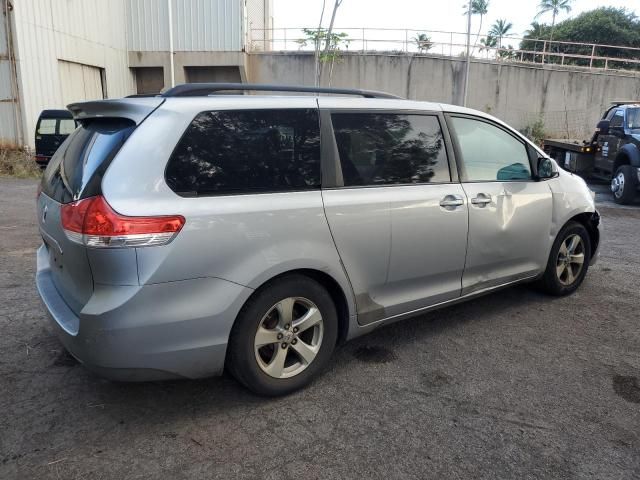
<point>247,151</point>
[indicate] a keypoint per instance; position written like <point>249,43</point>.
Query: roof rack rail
<point>203,89</point>
<point>143,95</point>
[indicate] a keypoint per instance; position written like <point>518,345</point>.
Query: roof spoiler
<point>135,109</point>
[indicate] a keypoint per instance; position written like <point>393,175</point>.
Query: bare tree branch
<point>327,42</point>
<point>317,47</point>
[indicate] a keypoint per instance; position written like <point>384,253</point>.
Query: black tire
<point>241,357</point>
<point>626,190</point>
<point>550,282</point>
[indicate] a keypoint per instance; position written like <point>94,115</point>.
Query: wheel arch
<point>590,221</point>
<point>332,286</point>
<point>628,155</point>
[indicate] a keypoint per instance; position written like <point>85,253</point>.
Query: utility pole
<point>466,74</point>
<point>173,69</point>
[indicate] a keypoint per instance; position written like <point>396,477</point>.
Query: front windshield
<point>633,118</point>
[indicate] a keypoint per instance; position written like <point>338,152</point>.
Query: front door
<point>509,212</point>
<point>399,223</point>
<point>610,143</point>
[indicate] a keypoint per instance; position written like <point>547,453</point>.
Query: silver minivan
<point>191,232</point>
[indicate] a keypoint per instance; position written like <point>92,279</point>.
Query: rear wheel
<point>624,184</point>
<point>284,336</point>
<point>568,261</point>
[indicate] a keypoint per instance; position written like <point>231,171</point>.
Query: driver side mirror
<point>545,169</point>
<point>603,127</point>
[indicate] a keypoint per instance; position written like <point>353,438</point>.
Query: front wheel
<point>283,336</point>
<point>568,261</point>
<point>623,184</point>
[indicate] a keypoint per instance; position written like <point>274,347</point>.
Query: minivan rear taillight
<point>94,223</point>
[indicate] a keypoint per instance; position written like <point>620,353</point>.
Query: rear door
<point>398,220</point>
<point>74,173</point>
<point>47,140</point>
<point>51,132</point>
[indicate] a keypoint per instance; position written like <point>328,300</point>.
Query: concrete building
<point>53,53</point>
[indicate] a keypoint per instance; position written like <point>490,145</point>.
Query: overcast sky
<point>423,14</point>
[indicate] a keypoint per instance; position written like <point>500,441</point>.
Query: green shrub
<point>535,131</point>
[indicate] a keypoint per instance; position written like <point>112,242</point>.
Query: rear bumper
<point>42,161</point>
<point>150,332</point>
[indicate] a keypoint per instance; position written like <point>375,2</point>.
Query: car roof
<point>138,108</point>
<point>297,101</point>
<point>324,101</point>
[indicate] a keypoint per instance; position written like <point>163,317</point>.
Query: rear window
<point>76,169</point>
<point>66,126</point>
<point>247,151</point>
<point>633,118</point>
<point>47,126</point>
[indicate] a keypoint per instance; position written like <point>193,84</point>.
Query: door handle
<point>451,201</point>
<point>481,200</point>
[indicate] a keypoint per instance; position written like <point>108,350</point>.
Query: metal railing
<point>453,44</point>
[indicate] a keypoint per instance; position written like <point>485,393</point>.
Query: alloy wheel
<point>570,261</point>
<point>289,337</point>
<point>617,185</point>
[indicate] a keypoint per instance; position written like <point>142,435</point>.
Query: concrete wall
<point>569,101</point>
<point>187,59</point>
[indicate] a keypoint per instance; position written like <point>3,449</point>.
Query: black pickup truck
<point>613,153</point>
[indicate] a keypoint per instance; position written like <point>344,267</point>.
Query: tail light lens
<point>94,223</point>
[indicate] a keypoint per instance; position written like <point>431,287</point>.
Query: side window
<point>247,151</point>
<point>617,121</point>
<point>47,126</point>
<point>633,118</point>
<point>387,148</point>
<point>489,153</point>
<point>66,126</point>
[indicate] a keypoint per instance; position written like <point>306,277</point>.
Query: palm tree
<point>488,43</point>
<point>423,41</point>
<point>555,7</point>
<point>536,31</point>
<point>478,7</point>
<point>500,29</point>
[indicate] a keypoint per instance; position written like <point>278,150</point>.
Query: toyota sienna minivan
<point>191,232</point>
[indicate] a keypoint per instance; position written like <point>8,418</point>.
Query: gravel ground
<point>512,385</point>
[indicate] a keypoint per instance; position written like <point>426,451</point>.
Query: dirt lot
<point>513,385</point>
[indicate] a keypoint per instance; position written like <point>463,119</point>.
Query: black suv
<point>53,127</point>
